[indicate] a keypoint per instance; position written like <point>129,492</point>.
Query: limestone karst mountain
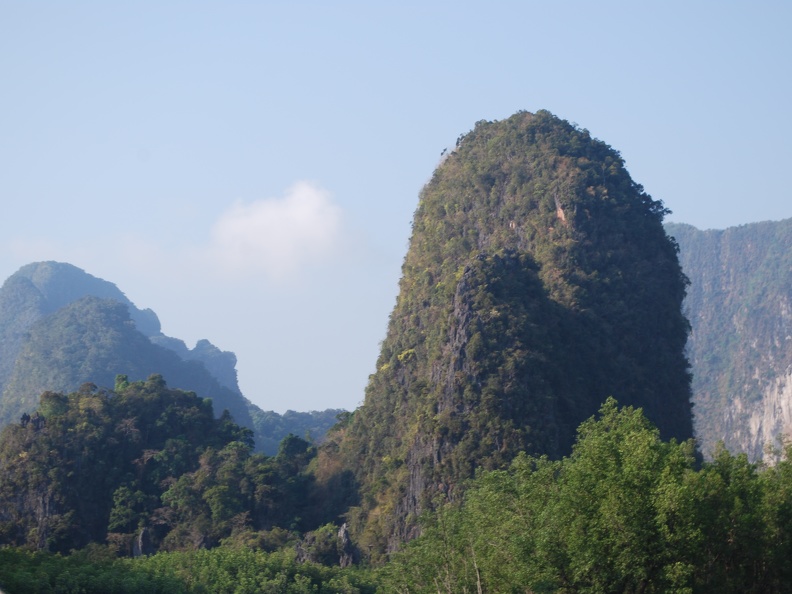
<point>739,304</point>
<point>539,281</point>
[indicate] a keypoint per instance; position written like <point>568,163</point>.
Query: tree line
<point>625,512</point>
<point>144,468</point>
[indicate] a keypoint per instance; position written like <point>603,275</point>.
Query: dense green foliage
<point>27,572</point>
<point>270,427</point>
<point>626,512</point>
<point>539,280</point>
<point>219,571</point>
<point>144,468</point>
<point>740,307</point>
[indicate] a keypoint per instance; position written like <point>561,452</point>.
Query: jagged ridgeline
<point>538,281</point>
<point>61,327</point>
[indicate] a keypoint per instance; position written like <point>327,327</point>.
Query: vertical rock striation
<point>740,308</point>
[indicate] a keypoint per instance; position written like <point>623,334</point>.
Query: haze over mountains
<point>61,327</point>
<point>739,303</point>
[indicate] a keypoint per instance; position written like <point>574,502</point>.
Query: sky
<point>249,170</point>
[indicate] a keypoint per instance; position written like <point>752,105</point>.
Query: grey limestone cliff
<point>739,304</point>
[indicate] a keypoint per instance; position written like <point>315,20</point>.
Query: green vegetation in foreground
<point>626,512</point>
<point>217,571</point>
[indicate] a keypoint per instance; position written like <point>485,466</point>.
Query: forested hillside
<point>539,281</point>
<point>61,327</point>
<point>56,335</point>
<point>95,339</point>
<point>146,468</point>
<point>40,289</point>
<point>739,304</point>
<point>625,512</point>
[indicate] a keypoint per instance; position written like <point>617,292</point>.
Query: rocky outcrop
<point>760,425</point>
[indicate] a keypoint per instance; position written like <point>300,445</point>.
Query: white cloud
<point>272,239</point>
<point>277,236</point>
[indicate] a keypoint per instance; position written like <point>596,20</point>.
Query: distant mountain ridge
<point>42,288</point>
<point>61,327</point>
<point>739,304</point>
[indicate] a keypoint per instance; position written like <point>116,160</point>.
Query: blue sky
<point>249,170</point>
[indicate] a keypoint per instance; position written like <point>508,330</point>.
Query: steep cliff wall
<point>740,308</point>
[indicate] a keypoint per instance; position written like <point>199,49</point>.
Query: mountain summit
<point>538,282</point>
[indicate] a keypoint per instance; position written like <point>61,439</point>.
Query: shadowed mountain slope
<point>539,281</point>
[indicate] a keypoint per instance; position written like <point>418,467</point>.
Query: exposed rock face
<point>142,545</point>
<point>740,308</point>
<point>538,282</point>
<point>221,364</point>
<point>347,555</point>
<point>767,420</point>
